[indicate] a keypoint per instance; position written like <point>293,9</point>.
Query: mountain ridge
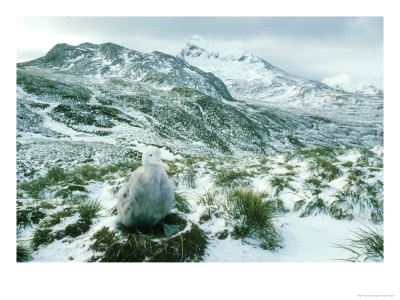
<point>112,60</point>
<point>254,80</point>
<point>108,93</point>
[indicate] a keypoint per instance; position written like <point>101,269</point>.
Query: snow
<point>306,240</point>
<point>255,81</point>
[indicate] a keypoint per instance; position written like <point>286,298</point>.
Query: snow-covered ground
<point>308,238</point>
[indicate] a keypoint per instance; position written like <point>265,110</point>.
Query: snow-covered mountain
<point>110,60</point>
<point>253,79</point>
<point>370,90</point>
<point>110,94</point>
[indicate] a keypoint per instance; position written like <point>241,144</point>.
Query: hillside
<point>85,113</point>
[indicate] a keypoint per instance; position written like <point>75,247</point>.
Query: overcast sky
<point>346,49</point>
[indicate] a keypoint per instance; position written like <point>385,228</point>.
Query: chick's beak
<point>162,164</point>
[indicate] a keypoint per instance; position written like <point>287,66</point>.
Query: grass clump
<point>44,234</point>
<point>56,217</point>
<point>315,185</point>
<point>280,182</point>
<point>299,204</point>
<point>318,152</point>
<point>325,169</point>
<point>125,246</point>
<point>181,203</point>
<point>190,172</point>
<point>89,210</point>
<point>41,236</point>
<point>359,197</point>
<point>209,201</point>
<point>315,206</point>
<point>29,215</point>
<point>23,253</point>
<point>223,234</point>
<point>251,217</point>
<point>348,164</point>
<point>229,177</point>
<point>366,245</point>
<point>75,179</point>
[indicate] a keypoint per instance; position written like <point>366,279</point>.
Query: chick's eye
<point>151,154</point>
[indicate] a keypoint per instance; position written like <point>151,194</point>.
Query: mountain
<point>248,173</point>
<point>110,60</point>
<point>105,102</point>
<point>254,80</point>
<point>370,90</point>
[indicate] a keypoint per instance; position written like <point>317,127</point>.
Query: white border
<point>199,281</point>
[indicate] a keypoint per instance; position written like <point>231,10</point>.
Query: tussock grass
<point>313,153</point>
<point>24,254</point>
<point>299,204</point>
<point>209,201</point>
<point>75,179</point>
<point>366,245</point>
<point>44,233</point>
<point>41,236</point>
<point>280,182</point>
<point>89,210</point>
<point>226,177</point>
<point>315,185</point>
<point>359,196</point>
<point>325,169</point>
<point>125,246</point>
<point>181,203</point>
<point>315,206</point>
<point>113,211</point>
<point>69,190</point>
<point>348,164</point>
<point>29,215</point>
<point>56,217</point>
<point>190,174</point>
<point>251,217</point>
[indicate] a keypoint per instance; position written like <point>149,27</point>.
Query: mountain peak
<point>199,46</point>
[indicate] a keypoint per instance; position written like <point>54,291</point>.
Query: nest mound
<point>151,244</point>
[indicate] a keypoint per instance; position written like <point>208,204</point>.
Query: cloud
<point>342,81</point>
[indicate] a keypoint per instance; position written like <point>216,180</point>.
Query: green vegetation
<point>92,115</point>
<point>299,204</point>
<point>110,246</point>
<point>74,179</point>
<point>23,253</point>
<point>44,233</point>
<point>227,177</point>
<point>181,203</point>
<point>40,86</point>
<point>315,185</point>
<point>41,237</point>
<point>367,245</point>
<point>325,169</point>
<point>348,164</point>
<point>251,217</point>
<point>39,105</point>
<point>315,206</point>
<point>313,153</point>
<point>31,214</point>
<point>190,173</point>
<point>209,201</point>
<point>89,210</point>
<point>280,182</point>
